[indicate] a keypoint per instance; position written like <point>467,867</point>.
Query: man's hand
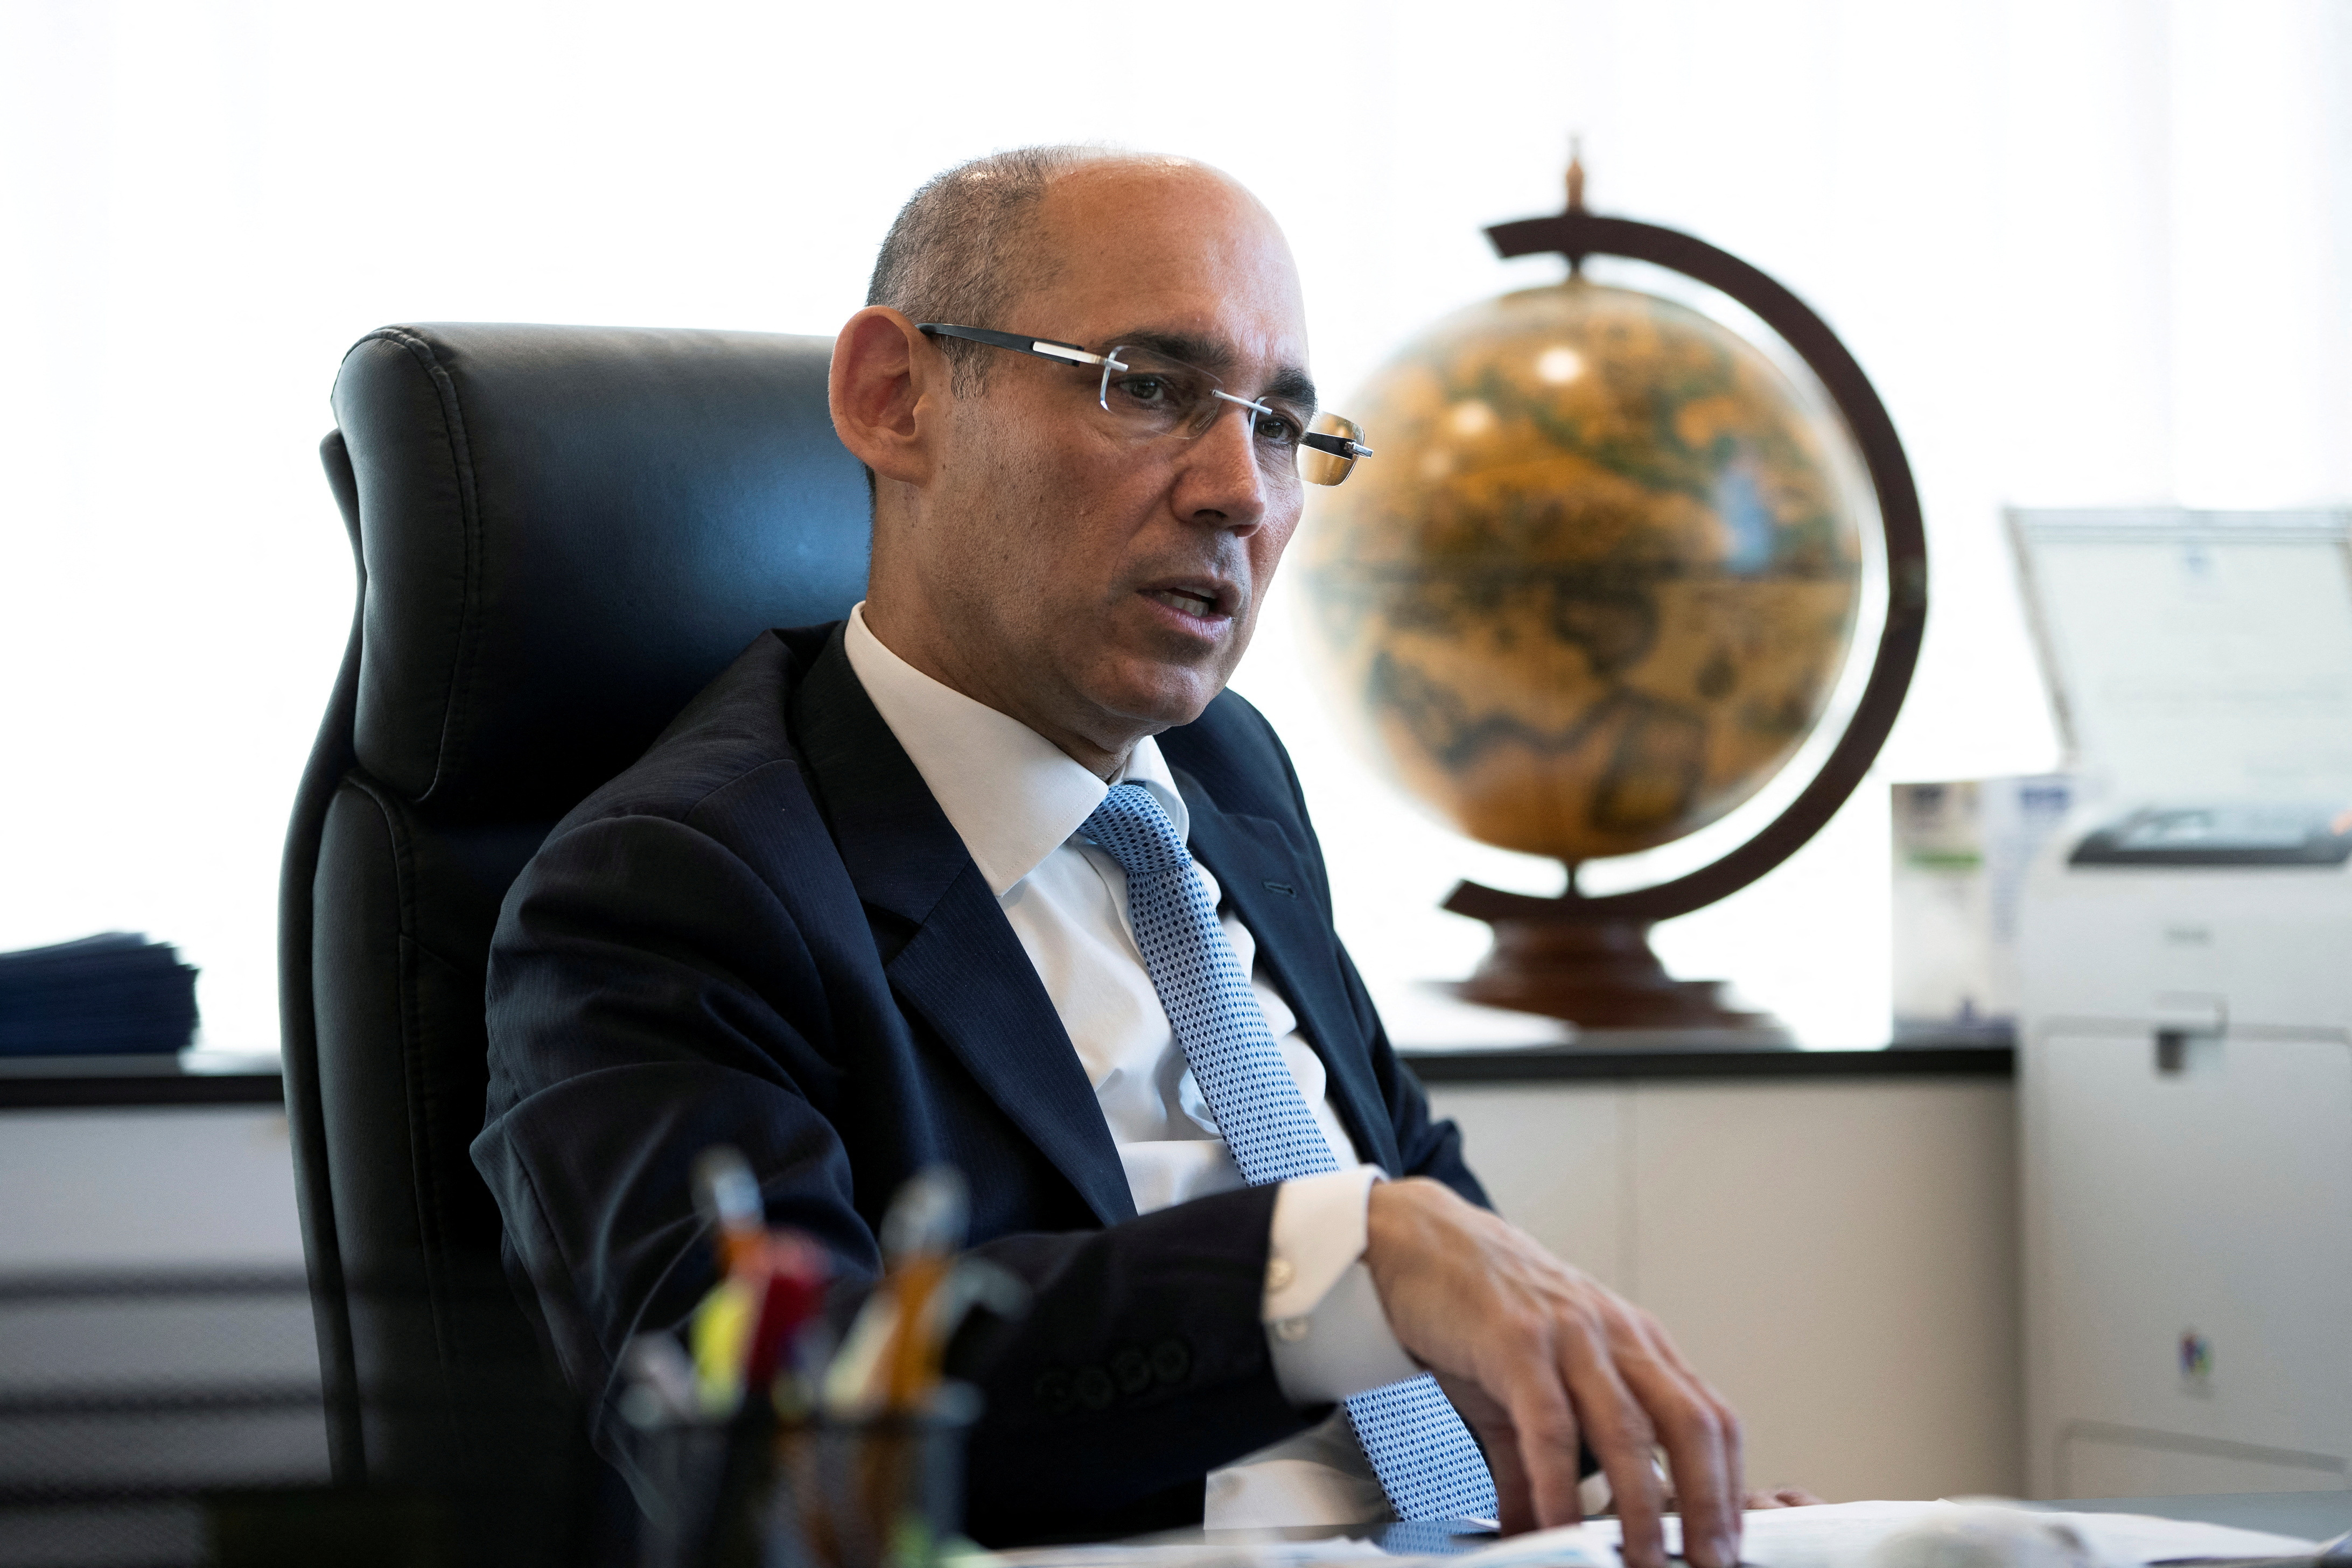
<point>1535,1354</point>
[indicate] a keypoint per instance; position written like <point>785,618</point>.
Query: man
<point>996,873</point>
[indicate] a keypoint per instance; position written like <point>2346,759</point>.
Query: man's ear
<point>884,374</point>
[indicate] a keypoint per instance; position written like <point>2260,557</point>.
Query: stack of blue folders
<point>116,994</point>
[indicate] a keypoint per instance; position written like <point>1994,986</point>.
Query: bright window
<point>2092,251</point>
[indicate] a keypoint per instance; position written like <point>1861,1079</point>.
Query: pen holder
<point>761,1492</point>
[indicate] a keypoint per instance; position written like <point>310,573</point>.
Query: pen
<point>791,1273</point>
<point>926,1223</point>
<point>726,1196</point>
<point>892,1356</point>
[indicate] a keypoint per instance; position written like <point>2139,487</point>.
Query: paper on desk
<point>2136,1538</point>
<point>1843,1535</point>
<point>1269,1553</point>
<point>1833,1535</point>
<point>1592,1544</point>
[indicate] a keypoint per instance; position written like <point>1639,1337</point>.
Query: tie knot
<point>1132,831</point>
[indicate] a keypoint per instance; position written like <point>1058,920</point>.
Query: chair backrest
<point>562,534</point>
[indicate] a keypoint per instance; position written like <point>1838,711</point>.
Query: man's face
<point>1095,587</point>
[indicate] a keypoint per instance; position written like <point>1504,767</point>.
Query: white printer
<point>2185,1008</point>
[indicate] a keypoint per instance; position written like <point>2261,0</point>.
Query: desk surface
<point>62,1083</point>
<point>1697,1057</point>
<point>66,1082</point>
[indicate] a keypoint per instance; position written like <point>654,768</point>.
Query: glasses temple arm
<point>1044,348</point>
<point>1070,353</point>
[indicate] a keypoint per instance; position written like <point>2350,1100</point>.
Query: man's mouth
<point>1201,607</point>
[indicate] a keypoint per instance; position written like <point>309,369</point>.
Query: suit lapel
<point>1253,862</point>
<point>962,969</point>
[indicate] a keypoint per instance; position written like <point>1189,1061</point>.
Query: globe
<point>1598,580</point>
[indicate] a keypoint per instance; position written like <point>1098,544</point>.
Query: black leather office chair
<point>562,534</point>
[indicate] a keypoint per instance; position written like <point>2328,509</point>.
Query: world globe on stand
<point>1593,591</point>
<point>1598,582</point>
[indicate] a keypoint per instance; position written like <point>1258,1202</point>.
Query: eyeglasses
<point>1150,397</point>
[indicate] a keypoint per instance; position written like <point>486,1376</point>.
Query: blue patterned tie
<point>1419,1447</point>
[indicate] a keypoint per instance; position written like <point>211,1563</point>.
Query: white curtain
<point>2090,250</point>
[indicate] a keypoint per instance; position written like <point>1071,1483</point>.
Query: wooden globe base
<point>1561,958</point>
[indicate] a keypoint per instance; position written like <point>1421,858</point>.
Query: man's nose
<point>1222,482</point>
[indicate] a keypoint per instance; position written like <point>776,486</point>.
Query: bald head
<point>979,238</point>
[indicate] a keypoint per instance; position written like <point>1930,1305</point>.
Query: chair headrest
<point>567,532</point>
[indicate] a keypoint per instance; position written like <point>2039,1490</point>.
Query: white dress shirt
<point>1018,801</point>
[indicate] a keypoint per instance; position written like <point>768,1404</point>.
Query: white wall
<point>208,1187</point>
<point>2090,250</point>
<point>1840,1259</point>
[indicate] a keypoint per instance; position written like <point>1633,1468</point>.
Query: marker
<point>726,1196</point>
<point>927,1224</point>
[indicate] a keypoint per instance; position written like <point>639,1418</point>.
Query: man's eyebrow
<point>1209,353</point>
<point>1291,383</point>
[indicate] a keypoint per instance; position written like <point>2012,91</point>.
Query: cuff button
<point>1290,1330</point>
<point>1279,1274</point>
<point>1171,1361</point>
<point>1131,1369</point>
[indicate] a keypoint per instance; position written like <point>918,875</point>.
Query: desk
<point>1862,1200</point>
<point>59,1083</point>
<point>1697,1056</point>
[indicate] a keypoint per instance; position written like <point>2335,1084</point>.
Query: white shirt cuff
<point>1323,1326</point>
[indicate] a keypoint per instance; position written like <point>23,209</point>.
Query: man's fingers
<point>1619,1433</point>
<point>1516,1509</point>
<point>1698,1438</point>
<point>1545,1450</point>
<point>1735,1444</point>
<point>1690,1431</point>
<point>1515,1502</point>
<point>1735,1452</point>
<point>1704,1454</point>
<point>1701,1437</point>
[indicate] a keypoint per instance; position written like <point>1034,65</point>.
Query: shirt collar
<point>1012,795</point>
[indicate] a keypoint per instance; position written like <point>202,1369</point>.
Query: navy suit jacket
<point>766,934</point>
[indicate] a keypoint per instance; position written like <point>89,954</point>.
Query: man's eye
<point>1277,430</point>
<point>1147,389</point>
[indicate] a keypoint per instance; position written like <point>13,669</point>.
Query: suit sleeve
<point>650,997</point>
